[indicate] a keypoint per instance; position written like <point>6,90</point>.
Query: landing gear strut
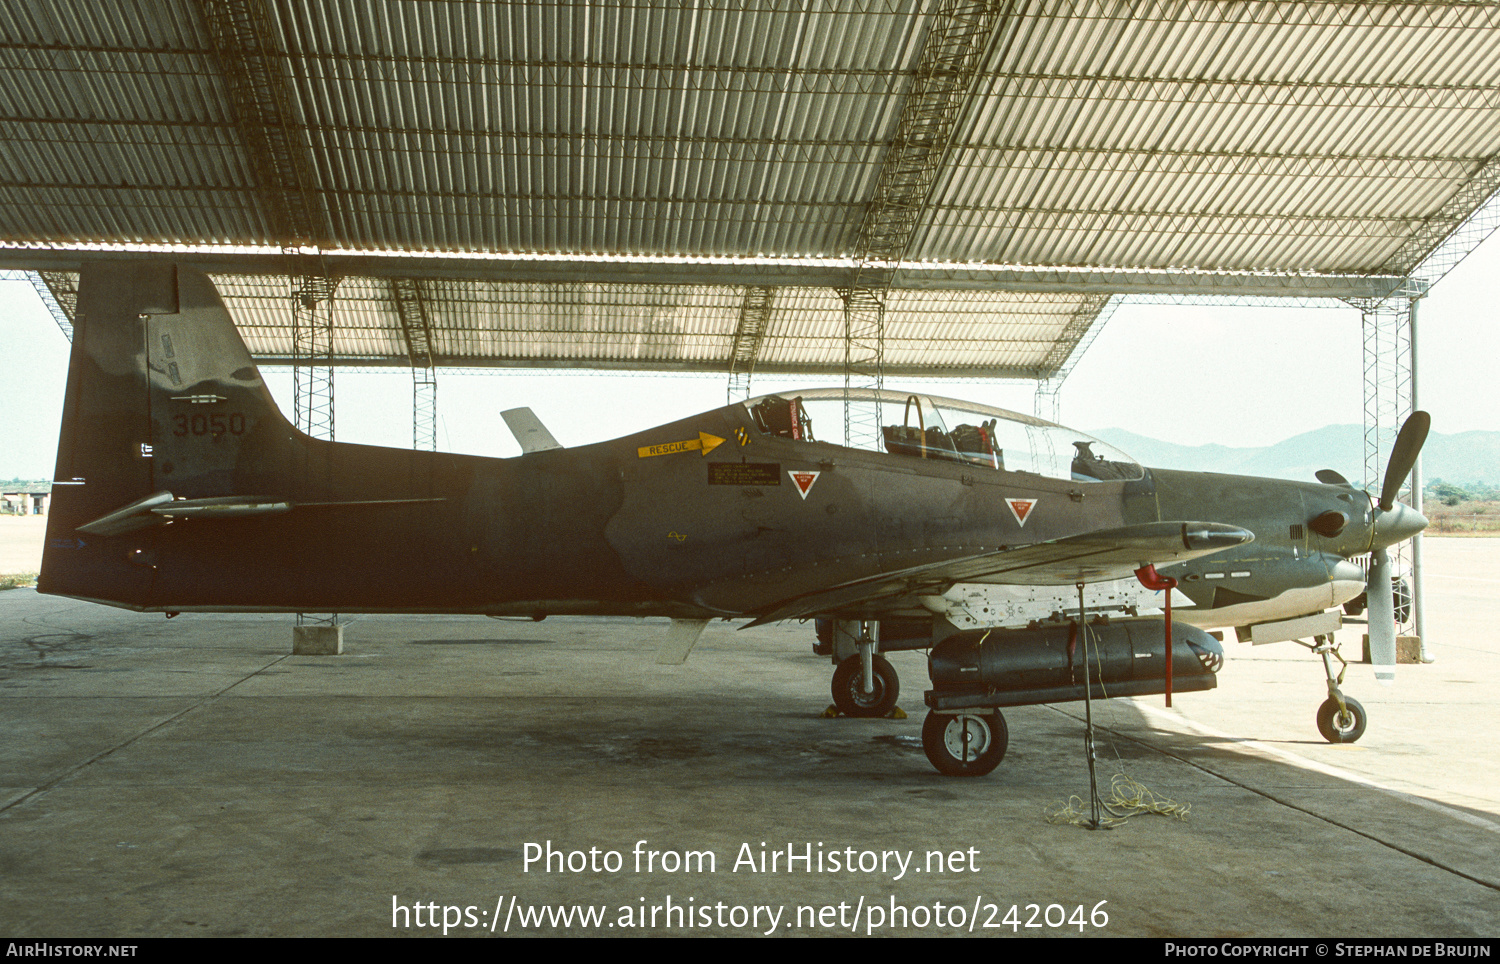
<point>1340,719</point>
<point>865,684</point>
<point>850,695</point>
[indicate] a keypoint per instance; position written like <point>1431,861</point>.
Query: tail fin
<point>162,397</point>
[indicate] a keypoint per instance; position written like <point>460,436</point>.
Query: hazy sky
<point>1192,375</point>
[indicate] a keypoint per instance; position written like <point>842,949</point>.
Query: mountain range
<point>1463,459</point>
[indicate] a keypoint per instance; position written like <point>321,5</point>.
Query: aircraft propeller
<point>1404,454</point>
<point>1391,524</point>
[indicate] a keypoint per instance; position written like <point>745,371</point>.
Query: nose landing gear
<point>1341,719</point>
<point>1341,722</point>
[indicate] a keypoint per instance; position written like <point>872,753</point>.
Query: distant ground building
<point>24,498</point>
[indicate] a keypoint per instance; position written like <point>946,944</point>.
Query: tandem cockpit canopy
<point>923,426</point>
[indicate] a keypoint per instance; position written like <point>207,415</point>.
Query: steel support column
<point>864,354</point>
<point>312,351</point>
<point>1083,326</point>
<point>312,402</point>
<point>1387,381</point>
<point>1417,604</point>
<point>257,76</point>
<point>749,332</point>
<point>416,326</point>
<point>960,33</point>
<point>1388,393</point>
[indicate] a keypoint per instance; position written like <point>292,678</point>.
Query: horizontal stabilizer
<point>160,508</point>
<point>136,515</point>
<point>226,507</point>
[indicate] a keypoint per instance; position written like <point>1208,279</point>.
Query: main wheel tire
<point>1339,727</point>
<point>849,692</point>
<point>965,744</point>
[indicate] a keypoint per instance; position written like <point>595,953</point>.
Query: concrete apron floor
<point>182,777</point>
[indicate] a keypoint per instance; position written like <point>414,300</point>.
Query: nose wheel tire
<point>849,691</point>
<point>1341,727</point>
<point>965,744</point>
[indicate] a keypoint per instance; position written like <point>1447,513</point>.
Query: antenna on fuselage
<point>529,431</point>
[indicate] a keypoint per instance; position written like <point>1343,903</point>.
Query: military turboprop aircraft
<point>181,487</point>
<point>1285,585</point>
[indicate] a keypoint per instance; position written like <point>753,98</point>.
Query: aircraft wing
<point>1090,557</point>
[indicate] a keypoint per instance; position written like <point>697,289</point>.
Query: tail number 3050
<point>203,423</point>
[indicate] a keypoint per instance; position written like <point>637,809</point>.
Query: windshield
<point>921,426</point>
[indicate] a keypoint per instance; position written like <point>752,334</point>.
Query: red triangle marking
<point>803,480</point>
<point>1021,508</point>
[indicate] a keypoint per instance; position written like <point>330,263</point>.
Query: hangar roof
<point>606,184</point>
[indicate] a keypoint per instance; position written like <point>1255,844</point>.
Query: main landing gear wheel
<point>1337,727</point>
<point>965,744</point>
<point>849,692</point>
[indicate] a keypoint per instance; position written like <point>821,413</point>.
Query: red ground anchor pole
<point>1156,582</point>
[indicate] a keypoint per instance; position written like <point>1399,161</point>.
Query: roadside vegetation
<point>17,580</point>
<point>1462,509</point>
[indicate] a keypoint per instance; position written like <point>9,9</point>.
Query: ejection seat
<point>785,417</point>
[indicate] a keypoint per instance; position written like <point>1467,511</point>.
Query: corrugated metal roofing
<point>478,323</point>
<point>1283,138</point>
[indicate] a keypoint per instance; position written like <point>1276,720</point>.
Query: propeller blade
<point>1330,477</point>
<point>1404,456</point>
<point>1382,618</point>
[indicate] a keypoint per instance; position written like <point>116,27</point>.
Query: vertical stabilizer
<point>162,397</point>
<point>208,404</point>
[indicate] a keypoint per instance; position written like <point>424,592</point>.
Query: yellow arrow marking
<point>707,443</point>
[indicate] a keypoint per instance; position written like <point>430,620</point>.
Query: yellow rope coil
<point>1126,799</point>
